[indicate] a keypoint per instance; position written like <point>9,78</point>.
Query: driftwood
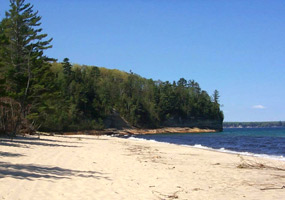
<point>276,188</point>
<point>254,164</point>
<point>171,196</point>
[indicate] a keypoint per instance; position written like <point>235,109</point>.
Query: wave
<point>141,139</point>
<point>199,146</point>
<point>239,153</point>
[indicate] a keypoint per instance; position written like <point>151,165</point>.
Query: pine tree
<point>216,96</point>
<point>66,67</point>
<point>25,63</point>
<point>3,54</point>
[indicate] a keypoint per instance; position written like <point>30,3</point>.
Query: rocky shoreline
<point>135,131</point>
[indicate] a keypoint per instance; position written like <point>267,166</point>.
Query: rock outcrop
<point>191,123</point>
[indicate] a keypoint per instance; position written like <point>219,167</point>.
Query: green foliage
<point>96,92</point>
<point>89,94</point>
<point>65,97</point>
<point>24,68</point>
<point>216,96</point>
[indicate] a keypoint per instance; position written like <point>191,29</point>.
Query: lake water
<point>261,142</point>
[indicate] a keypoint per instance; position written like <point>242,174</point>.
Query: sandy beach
<point>92,167</point>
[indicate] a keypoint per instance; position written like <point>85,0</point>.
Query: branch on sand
<point>257,164</point>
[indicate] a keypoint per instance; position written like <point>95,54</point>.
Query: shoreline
<point>137,131</point>
<point>221,150</point>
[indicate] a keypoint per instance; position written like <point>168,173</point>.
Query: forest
<point>41,93</point>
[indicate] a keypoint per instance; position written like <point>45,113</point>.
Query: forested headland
<point>42,93</point>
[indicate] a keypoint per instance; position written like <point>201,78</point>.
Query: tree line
<point>254,124</point>
<point>40,93</point>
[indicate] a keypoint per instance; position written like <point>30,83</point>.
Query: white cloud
<point>258,107</point>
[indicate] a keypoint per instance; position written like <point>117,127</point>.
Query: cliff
<point>216,125</point>
<point>116,124</point>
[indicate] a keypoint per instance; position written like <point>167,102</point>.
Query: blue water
<point>267,142</point>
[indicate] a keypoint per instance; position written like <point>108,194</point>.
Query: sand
<point>91,167</point>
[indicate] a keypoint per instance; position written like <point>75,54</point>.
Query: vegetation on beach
<point>37,92</point>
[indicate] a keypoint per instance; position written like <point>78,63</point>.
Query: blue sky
<point>234,46</point>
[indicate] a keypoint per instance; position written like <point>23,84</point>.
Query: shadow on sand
<point>4,143</point>
<point>24,141</point>
<point>8,154</point>
<point>47,140</point>
<point>78,137</point>
<point>31,171</point>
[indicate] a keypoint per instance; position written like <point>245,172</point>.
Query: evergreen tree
<point>216,96</point>
<point>3,54</point>
<point>66,67</point>
<point>25,63</point>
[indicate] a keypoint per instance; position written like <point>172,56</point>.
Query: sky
<point>234,46</point>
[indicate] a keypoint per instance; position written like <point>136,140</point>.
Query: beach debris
<point>274,188</point>
<point>197,189</point>
<point>254,164</point>
<point>163,196</point>
<point>217,164</point>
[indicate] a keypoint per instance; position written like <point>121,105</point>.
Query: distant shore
<point>253,127</point>
<point>268,124</point>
